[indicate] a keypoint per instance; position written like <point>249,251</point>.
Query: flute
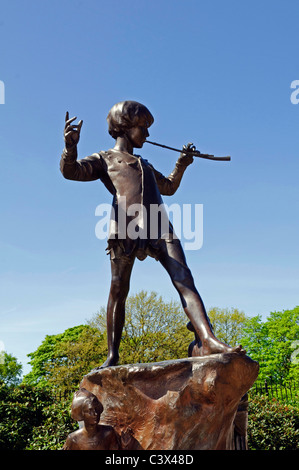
<point>193,153</point>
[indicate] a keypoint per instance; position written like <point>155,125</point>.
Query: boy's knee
<point>119,288</point>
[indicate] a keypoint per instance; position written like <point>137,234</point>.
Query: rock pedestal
<point>184,404</point>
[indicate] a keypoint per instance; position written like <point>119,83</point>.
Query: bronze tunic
<point>131,180</point>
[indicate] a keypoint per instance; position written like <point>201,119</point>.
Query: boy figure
<point>132,180</point>
<point>92,436</point>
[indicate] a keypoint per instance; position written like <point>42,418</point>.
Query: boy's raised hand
<point>71,132</point>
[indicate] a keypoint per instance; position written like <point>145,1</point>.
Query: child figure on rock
<point>92,435</point>
<point>134,182</point>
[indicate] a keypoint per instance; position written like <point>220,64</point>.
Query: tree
<point>63,359</point>
<point>283,330</point>
<point>154,330</point>
<point>255,337</point>
<point>10,369</point>
<point>33,418</point>
<point>272,344</point>
<point>228,324</point>
<point>73,359</point>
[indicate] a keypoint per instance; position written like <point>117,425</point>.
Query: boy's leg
<point>172,257</point>
<point>121,269</point>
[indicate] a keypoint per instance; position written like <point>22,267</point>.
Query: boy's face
<point>91,413</point>
<point>138,134</point>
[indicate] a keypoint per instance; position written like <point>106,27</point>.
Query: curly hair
<point>127,114</point>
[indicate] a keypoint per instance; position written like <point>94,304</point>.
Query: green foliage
<point>154,330</point>
<point>227,324</point>
<point>33,418</point>
<point>272,425</point>
<point>56,426</point>
<point>10,369</point>
<point>73,359</point>
<point>42,358</point>
<point>23,410</point>
<point>62,360</point>
<point>272,344</point>
<point>295,354</point>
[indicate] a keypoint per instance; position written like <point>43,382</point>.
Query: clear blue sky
<point>214,73</point>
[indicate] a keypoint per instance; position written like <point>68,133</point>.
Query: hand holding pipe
<point>193,153</point>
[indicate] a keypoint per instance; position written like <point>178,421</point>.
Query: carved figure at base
<point>92,436</point>
<point>135,183</point>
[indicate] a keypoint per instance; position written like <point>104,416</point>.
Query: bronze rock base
<point>195,403</point>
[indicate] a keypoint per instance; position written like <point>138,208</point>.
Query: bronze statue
<point>134,181</point>
<point>92,436</point>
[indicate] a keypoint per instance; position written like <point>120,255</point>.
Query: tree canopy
<point>10,369</point>
<point>64,358</point>
<point>228,324</point>
<point>155,330</point>
<point>273,344</point>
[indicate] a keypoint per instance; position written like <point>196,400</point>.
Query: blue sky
<point>214,73</point>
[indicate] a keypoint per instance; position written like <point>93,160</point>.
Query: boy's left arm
<point>168,185</point>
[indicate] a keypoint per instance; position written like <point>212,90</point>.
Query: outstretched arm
<point>168,185</point>
<point>87,169</point>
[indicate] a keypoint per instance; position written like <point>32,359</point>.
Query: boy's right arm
<point>87,169</point>
<point>169,185</point>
